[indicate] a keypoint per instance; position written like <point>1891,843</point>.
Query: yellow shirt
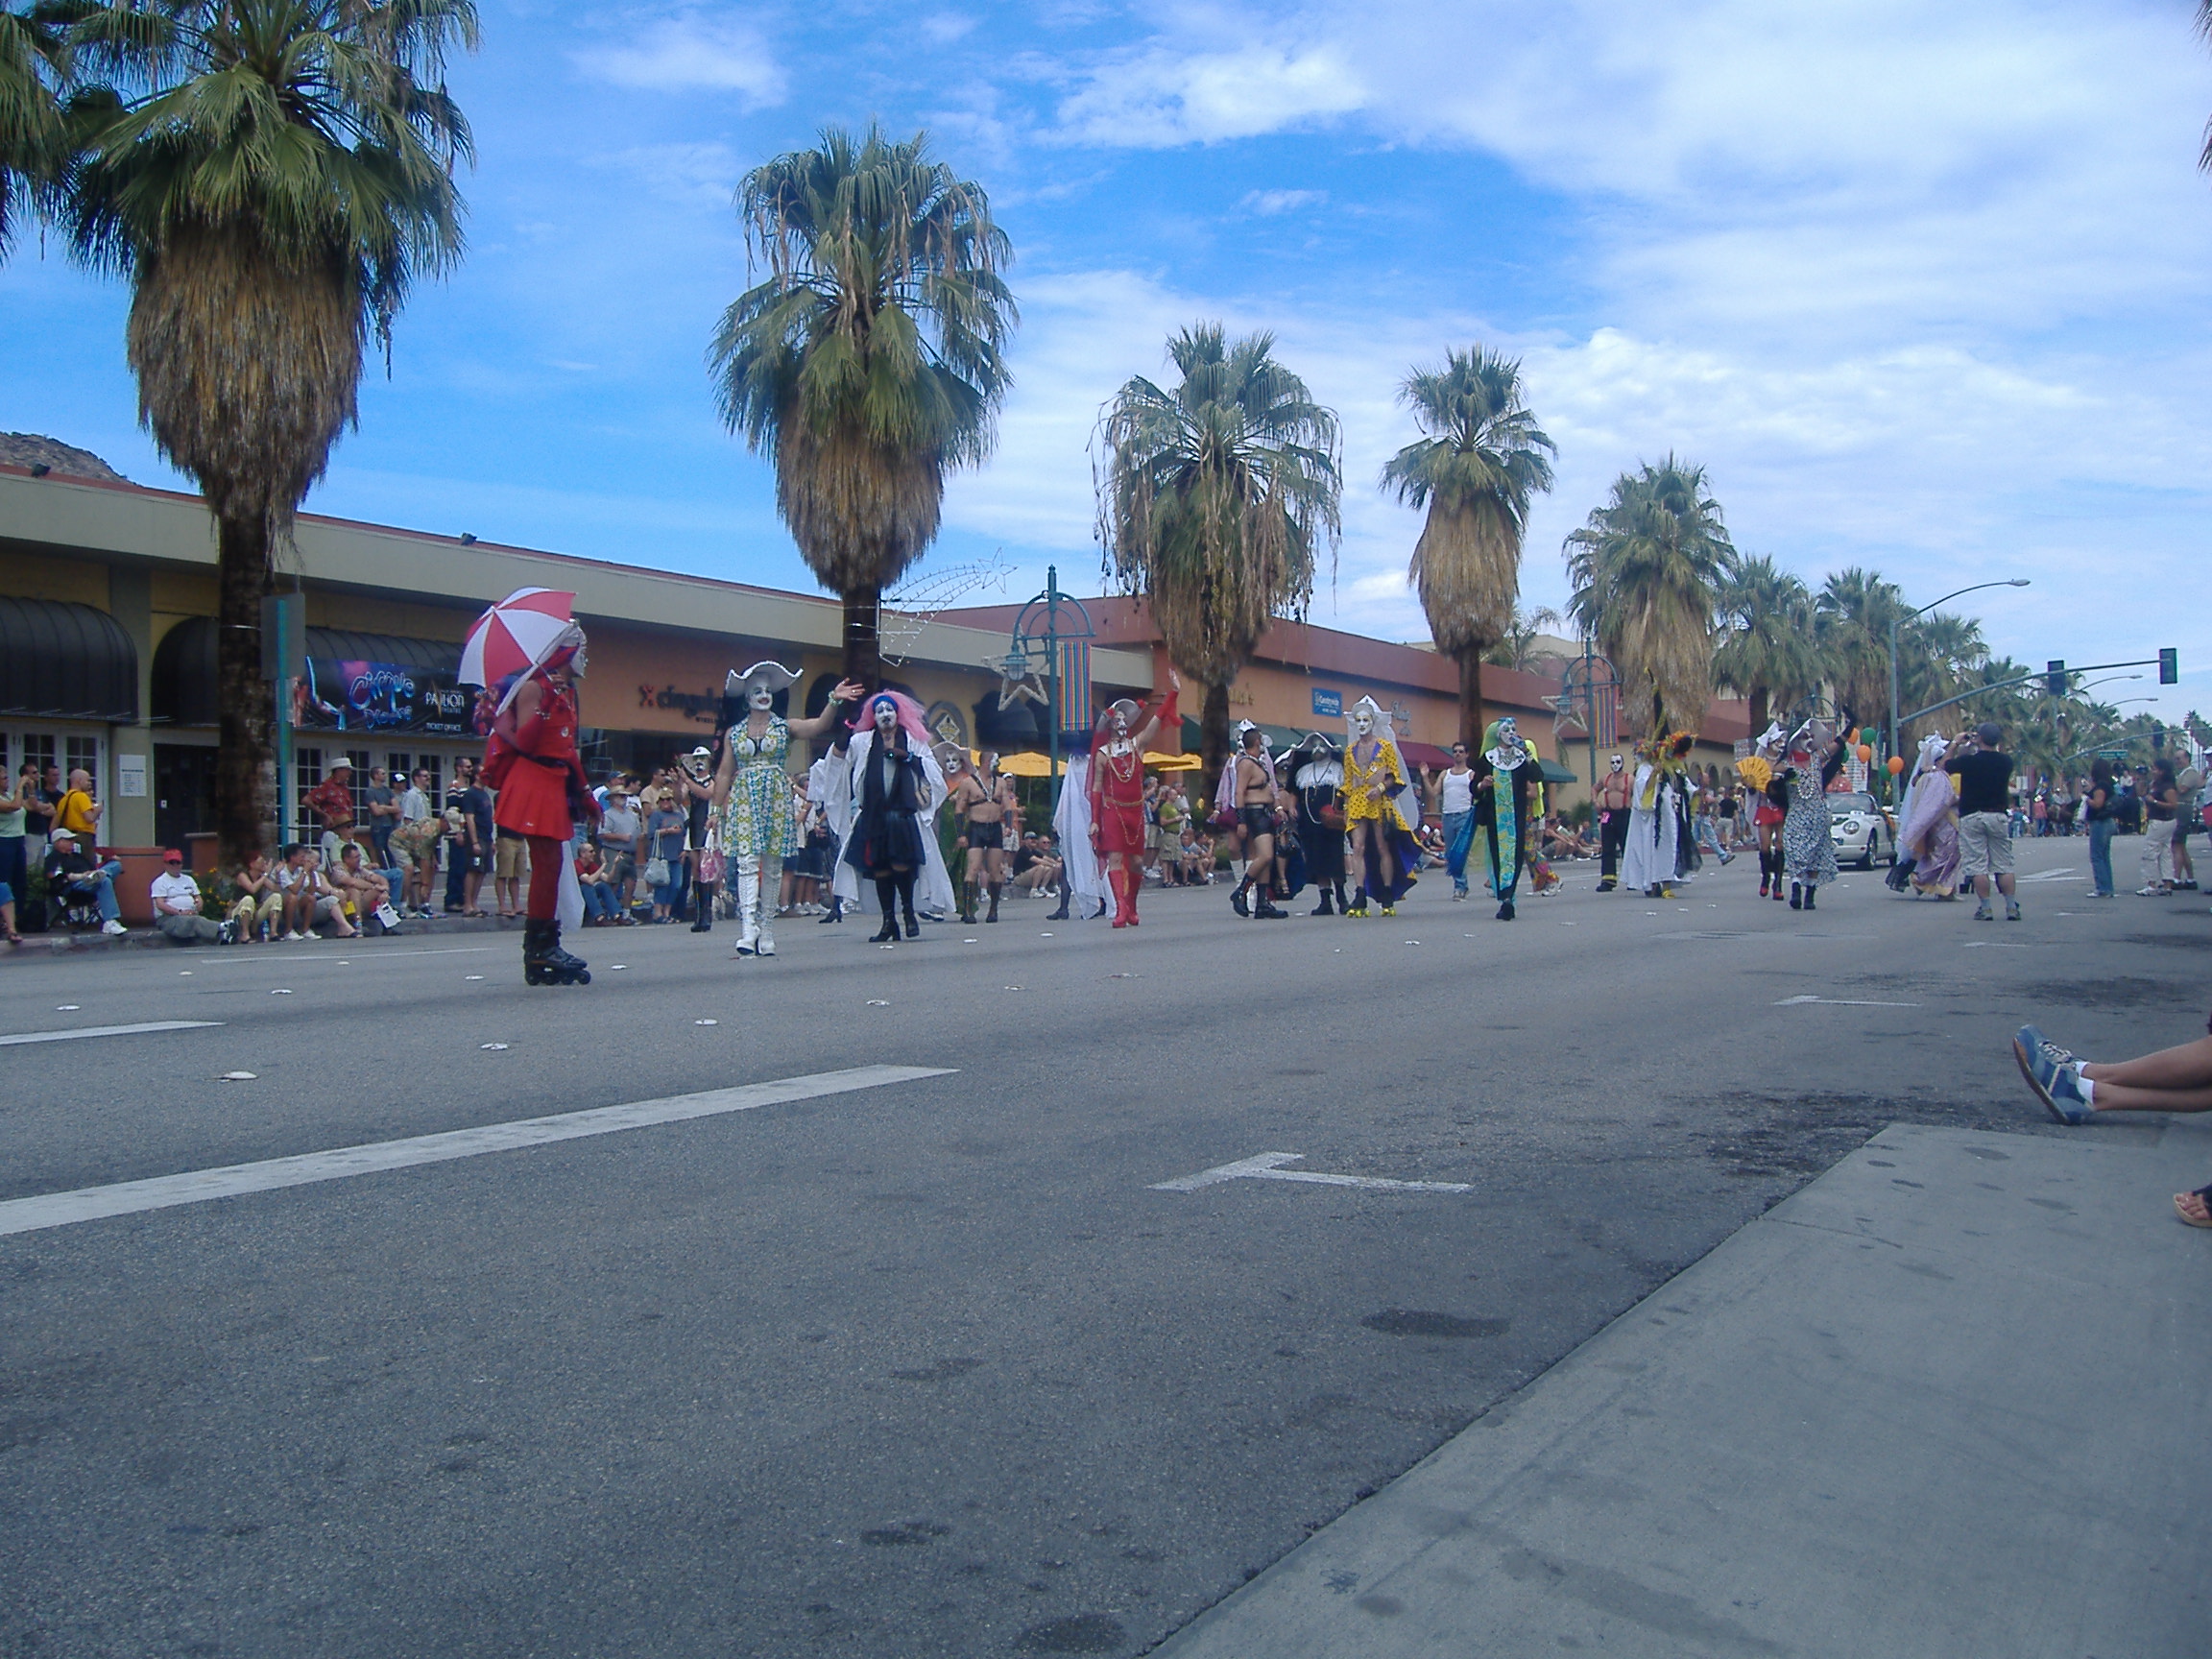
<point>1368,789</point>
<point>77,814</point>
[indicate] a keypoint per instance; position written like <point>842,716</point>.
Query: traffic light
<point>2169,667</point>
<point>2054,676</point>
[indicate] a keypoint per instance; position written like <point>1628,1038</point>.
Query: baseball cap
<point>61,835</point>
<point>172,856</point>
<point>1989,733</point>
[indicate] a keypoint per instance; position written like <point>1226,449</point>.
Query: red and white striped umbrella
<point>515,634</point>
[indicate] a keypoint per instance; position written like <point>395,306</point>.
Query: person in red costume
<point>1117,794</point>
<point>530,757</point>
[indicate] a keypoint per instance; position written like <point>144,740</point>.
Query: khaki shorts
<point>511,859</point>
<point>1984,844</point>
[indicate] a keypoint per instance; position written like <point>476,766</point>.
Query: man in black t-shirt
<point>1984,777</point>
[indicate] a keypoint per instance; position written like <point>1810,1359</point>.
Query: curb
<point>50,946</point>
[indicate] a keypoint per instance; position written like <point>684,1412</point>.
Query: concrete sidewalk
<point>1950,1399</point>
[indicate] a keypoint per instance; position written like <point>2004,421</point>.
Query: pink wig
<point>909,717</point>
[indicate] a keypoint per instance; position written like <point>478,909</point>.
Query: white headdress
<point>770,674</point>
<point>1376,714</point>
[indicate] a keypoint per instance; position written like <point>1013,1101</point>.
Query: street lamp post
<point>1895,778</point>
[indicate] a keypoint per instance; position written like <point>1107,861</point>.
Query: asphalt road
<point>931,1367</point>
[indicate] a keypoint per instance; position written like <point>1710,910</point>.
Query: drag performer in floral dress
<point>1508,808</point>
<point>1117,794</point>
<point>530,758</point>
<point>1384,855</point>
<point>1815,754</point>
<point>753,797</point>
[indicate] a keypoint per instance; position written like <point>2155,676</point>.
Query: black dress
<point>887,825</point>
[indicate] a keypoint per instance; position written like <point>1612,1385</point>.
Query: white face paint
<point>1121,724</point>
<point>1508,734</point>
<point>762,698</point>
<point>886,716</point>
<point>576,663</point>
<point>1362,722</point>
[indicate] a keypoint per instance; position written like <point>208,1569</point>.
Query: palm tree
<point>870,360</point>
<point>1517,647</point>
<point>271,176</point>
<point>1482,458</point>
<point>1647,570</point>
<point>1767,649</point>
<point>1852,617</point>
<point>1213,498</point>
<point>33,70</point>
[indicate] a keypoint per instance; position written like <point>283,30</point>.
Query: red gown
<point>1118,791</point>
<point>534,768</point>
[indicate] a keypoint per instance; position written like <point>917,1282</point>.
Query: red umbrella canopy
<point>515,634</point>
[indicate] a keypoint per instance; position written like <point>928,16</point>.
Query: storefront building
<point>107,633</point>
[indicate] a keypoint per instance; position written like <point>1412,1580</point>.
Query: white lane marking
<point>1839,1002</point>
<point>2066,873</point>
<point>198,1185</point>
<point>1267,1166</point>
<point>108,1031</point>
<point>254,961</point>
<point>1991,945</point>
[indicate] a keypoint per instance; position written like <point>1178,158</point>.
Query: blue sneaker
<point>2065,1098</point>
<point>2048,1068</point>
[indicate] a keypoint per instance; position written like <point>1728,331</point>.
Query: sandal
<point>2202,1198</point>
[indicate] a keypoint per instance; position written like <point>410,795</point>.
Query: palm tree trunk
<point>1758,700</point>
<point>245,774</point>
<point>863,644</point>
<point>1471,721</point>
<point>1213,732</point>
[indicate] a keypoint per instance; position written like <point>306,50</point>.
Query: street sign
<point>2112,754</point>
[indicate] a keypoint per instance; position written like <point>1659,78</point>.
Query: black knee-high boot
<point>906,882</point>
<point>887,900</point>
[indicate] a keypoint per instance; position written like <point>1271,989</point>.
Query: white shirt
<point>414,805</point>
<point>1458,792</point>
<point>174,895</point>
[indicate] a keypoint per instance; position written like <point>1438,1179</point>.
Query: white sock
<point>2087,1088</point>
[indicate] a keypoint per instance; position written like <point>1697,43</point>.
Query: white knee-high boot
<point>769,885</point>
<point>748,907</point>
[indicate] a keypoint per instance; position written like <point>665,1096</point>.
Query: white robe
<point>1648,861</point>
<point>934,882</point>
<point>1071,822</point>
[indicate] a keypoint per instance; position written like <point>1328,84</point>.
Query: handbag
<point>710,862</point>
<point>656,871</point>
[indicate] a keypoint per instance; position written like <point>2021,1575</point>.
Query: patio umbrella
<point>1159,762</point>
<point>515,634</point>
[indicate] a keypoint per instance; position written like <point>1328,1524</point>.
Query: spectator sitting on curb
<point>365,891</point>
<point>176,906</point>
<point>2074,1090</point>
<point>73,876</point>
<point>599,906</point>
<point>300,889</point>
<point>324,903</point>
<point>259,911</point>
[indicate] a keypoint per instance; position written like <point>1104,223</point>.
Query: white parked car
<point>1862,832</point>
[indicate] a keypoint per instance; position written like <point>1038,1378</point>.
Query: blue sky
<point>1924,288</point>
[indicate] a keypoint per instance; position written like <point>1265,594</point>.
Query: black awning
<point>67,661</point>
<point>185,663</point>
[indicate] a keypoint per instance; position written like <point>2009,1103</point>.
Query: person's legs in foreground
<point>2100,856</point>
<point>2155,858</point>
<point>2074,1090</point>
<point>1986,853</point>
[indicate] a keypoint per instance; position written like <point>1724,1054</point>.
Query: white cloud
<point>1169,96</point>
<point>1267,203</point>
<point>695,51</point>
<point>942,27</point>
<point>698,175</point>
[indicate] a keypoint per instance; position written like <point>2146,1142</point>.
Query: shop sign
<point>702,707</point>
<point>356,696</point>
<point>1328,704</point>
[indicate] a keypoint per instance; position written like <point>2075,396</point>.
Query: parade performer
<point>1812,759</point>
<point>1928,832</point>
<point>1248,783</point>
<point>895,783</point>
<point>1081,880</point>
<point>1757,770</point>
<point>1117,793</point>
<point>1508,808</point>
<point>1376,785</point>
<point>751,798</point>
<point>829,786</point>
<point>1317,775</point>
<point>1651,862</point>
<point>1615,798</point>
<point>530,757</point>
<point>978,799</point>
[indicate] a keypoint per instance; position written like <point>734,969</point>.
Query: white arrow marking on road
<point>1839,1002</point>
<point>108,1031</point>
<point>165,1191</point>
<point>1267,1166</point>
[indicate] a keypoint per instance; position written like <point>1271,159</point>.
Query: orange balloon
<point>1866,753</point>
<point>1896,764</point>
<point>1853,737</point>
